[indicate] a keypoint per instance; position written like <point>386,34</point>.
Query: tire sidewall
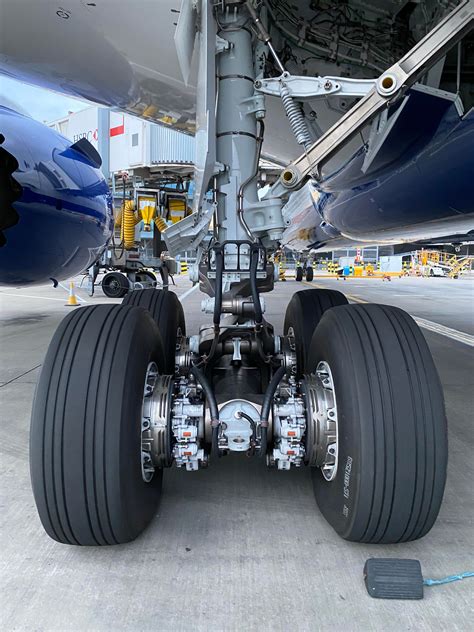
<point>338,499</point>
<point>139,498</point>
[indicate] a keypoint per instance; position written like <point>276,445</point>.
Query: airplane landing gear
<point>349,391</point>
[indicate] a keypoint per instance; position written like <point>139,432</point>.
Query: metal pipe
<point>265,35</point>
<point>240,197</point>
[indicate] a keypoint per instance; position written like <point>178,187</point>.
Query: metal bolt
<point>327,85</point>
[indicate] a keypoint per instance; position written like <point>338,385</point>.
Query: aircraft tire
<point>309,274</point>
<point>168,314</point>
<point>303,313</point>
<point>115,285</point>
<point>299,273</point>
<point>85,440</point>
<point>392,431</point>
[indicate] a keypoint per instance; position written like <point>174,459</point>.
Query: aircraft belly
<point>104,61</point>
<point>94,53</point>
<point>419,187</point>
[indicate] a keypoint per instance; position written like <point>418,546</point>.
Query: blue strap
<point>448,580</point>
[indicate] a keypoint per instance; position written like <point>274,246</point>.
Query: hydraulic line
<point>213,408</point>
<point>265,412</point>
<point>251,421</point>
<point>253,285</point>
<point>265,35</point>
<point>240,196</point>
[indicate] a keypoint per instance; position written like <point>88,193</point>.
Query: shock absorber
<point>295,114</point>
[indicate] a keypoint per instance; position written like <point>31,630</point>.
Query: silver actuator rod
<point>265,35</point>
<point>390,86</point>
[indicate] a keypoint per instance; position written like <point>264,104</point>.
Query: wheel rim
<point>156,441</point>
<point>322,441</point>
<point>148,469</point>
<point>112,285</point>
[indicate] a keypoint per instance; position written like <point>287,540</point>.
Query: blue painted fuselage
<point>64,212</point>
<point>416,182</point>
<point>412,181</point>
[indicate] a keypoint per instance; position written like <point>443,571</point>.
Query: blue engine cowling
<point>55,206</point>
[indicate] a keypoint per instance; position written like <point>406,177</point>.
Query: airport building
<point>127,143</point>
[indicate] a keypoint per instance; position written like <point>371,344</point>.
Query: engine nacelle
<point>56,212</point>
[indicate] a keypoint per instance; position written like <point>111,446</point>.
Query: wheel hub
<point>322,421</point>
<point>172,423</point>
<point>156,429</point>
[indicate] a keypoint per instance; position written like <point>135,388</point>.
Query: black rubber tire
<point>115,285</point>
<point>299,273</point>
<point>86,427</point>
<point>303,314</point>
<point>168,314</point>
<point>309,274</point>
<point>391,422</point>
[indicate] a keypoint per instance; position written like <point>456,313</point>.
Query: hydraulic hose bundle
<point>213,408</point>
<point>254,257</point>
<point>198,374</point>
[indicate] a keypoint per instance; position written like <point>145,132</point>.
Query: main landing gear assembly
<point>306,272</point>
<point>348,391</point>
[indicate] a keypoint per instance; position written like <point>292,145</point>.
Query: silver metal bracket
<point>315,87</point>
<point>221,45</point>
<point>390,86</point>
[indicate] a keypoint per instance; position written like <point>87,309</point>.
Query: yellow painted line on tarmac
<point>355,299</point>
<point>429,325</point>
<point>309,284</point>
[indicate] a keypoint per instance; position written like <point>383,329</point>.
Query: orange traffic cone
<point>72,300</point>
